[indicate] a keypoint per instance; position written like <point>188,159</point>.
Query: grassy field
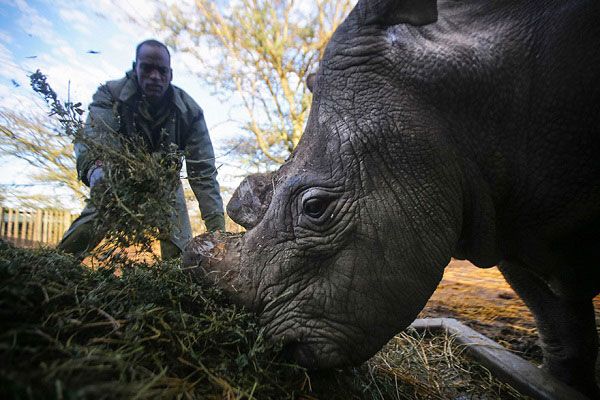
<point>151,331</point>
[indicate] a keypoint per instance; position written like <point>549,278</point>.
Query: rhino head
<point>347,241</point>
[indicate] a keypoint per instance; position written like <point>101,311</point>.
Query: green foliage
<point>71,332</point>
<point>136,199</point>
<point>69,114</point>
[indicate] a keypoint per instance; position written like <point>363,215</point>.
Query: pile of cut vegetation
<point>151,331</point>
<point>72,332</point>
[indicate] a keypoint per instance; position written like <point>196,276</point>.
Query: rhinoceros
<point>466,129</point>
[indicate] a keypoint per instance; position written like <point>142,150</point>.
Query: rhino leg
<point>567,329</point>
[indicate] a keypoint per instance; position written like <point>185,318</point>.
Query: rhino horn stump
<point>215,257</point>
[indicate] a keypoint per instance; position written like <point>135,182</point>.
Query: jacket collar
<point>130,90</point>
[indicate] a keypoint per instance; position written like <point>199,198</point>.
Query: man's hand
<point>95,175</point>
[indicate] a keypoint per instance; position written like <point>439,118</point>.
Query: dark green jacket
<point>186,128</point>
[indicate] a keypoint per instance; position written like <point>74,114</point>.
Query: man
<point>145,103</point>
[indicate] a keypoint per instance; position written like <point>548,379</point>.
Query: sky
<point>78,45</point>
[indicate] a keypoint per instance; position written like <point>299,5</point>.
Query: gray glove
<point>95,175</point>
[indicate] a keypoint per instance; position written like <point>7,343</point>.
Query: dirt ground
<point>483,300</point>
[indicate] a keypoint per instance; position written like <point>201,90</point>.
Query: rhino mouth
<point>316,351</point>
<point>302,353</point>
<point>314,356</point>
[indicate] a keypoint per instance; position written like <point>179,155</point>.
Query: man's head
<point>153,69</point>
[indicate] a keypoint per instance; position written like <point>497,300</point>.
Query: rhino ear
<point>394,12</point>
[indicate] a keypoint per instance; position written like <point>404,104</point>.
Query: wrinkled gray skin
<point>474,134</point>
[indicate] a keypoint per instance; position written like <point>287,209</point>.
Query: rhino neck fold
<point>478,241</point>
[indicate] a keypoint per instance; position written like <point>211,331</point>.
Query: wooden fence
<point>32,228</point>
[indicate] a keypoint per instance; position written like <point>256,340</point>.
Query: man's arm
<point>100,126</point>
<point>202,174</point>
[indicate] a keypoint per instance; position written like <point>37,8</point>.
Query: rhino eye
<point>315,207</point>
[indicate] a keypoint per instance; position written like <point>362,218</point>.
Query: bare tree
<point>35,139</point>
<point>258,53</point>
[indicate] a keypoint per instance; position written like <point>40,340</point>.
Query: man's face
<point>153,70</point>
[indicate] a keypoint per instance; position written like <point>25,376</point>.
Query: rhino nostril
<point>300,352</point>
<point>287,352</point>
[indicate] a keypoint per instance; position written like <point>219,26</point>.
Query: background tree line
<point>255,54</point>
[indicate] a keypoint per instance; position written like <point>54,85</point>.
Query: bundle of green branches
<point>70,332</point>
<point>136,199</point>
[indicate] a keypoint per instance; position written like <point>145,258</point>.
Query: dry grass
<point>414,366</point>
<point>437,368</point>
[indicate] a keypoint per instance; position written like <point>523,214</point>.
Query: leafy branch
<point>135,202</point>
